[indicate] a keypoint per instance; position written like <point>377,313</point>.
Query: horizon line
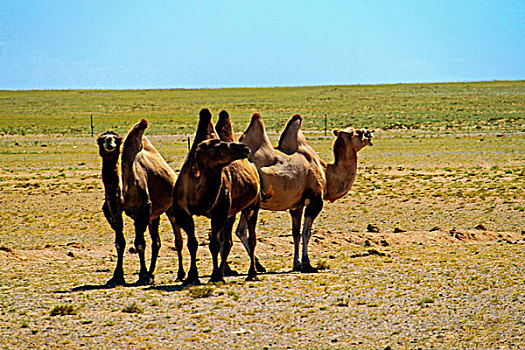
<point>263,87</point>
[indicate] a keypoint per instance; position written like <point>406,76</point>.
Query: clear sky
<point>90,44</point>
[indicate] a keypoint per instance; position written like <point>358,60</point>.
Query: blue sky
<point>194,44</point>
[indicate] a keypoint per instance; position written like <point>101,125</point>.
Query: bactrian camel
<point>214,183</point>
<point>225,132</point>
<point>338,176</point>
<point>147,188</point>
<point>294,182</point>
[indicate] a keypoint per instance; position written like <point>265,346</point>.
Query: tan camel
<point>295,182</point>
<point>213,183</point>
<point>339,176</point>
<point>147,188</point>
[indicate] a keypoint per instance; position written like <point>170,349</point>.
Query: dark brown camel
<point>211,183</point>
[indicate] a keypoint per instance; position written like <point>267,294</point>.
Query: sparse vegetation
<point>442,284</point>
<point>63,310</point>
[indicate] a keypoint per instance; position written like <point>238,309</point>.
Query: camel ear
<point>336,132</point>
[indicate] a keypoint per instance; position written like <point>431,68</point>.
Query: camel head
<point>352,138</point>
<point>215,154</point>
<point>109,144</point>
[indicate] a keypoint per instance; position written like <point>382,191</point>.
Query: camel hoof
<point>229,272</point>
<point>309,269</point>
<point>193,281</point>
<point>116,281</point>
<point>217,278</point>
<point>180,276</point>
<point>252,277</point>
<point>145,280</point>
<point>259,267</point>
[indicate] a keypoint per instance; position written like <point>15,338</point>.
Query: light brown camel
<point>295,182</point>
<point>147,187</point>
<point>211,183</point>
<point>340,175</point>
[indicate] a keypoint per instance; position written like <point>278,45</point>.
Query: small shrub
<point>62,310</point>
<point>132,308</point>
<point>201,292</point>
<point>322,265</point>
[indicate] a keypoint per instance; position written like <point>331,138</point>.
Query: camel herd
<point>220,178</point>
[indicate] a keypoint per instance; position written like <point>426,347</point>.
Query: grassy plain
<point>446,159</point>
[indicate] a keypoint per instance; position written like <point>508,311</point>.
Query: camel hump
<point>224,127</point>
<point>256,116</point>
<point>291,137</point>
<point>205,129</point>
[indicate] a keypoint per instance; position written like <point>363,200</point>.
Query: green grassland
<point>496,106</point>
<point>446,159</point>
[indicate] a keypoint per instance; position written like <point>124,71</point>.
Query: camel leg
<point>155,247</point>
<point>242,229</point>
<point>296,215</point>
<point>185,221</point>
<point>228,271</point>
<point>312,210</point>
<point>141,223</point>
<point>116,223</point>
<point>218,227</point>
<point>178,244</point>
<point>251,218</point>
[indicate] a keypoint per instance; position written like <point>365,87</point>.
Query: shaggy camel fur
<point>295,182</point>
<point>211,183</point>
<point>340,175</point>
<point>147,187</point>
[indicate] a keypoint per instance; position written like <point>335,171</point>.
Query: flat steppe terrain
<point>450,277</point>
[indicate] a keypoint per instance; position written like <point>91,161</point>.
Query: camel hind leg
<point>153,228</point>
<point>141,223</point>
<point>296,215</point>
<point>114,218</point>
<point>178,244</point>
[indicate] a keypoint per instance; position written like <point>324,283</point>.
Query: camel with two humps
<point>142,187</point>
<point>338,177</point>
<point>217,182</point>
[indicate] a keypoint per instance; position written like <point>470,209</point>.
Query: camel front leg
<point>312,210</point>
<point>185,221</point>
<point>141,223</point>
<point>114,218</point>
<point>296,215</point>
<point>178,244</point>
<point>155,247</point>
<point>220,228</point>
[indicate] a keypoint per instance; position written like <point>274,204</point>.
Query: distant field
<point>482,106</point>
<point>447,167</point>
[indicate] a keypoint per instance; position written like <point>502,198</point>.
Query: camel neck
<point>340,176</point>
<point>111,176</point>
